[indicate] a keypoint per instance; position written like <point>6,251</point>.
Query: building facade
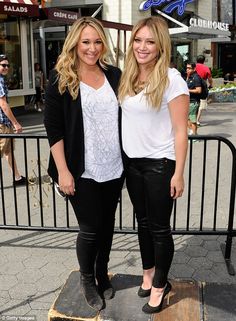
<point>186,44</point>
<point>30,34</point>
<point>225,52</point>
<point>16,41</point>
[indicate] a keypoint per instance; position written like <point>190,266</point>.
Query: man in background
<point>204,72</point>
<point>8,123</point>
<point>193,81</point>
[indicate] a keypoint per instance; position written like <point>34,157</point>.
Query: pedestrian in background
<point>8,124</point>
<point>81,119</point>
<point>228,78</point>
<point>39,86</point>
<point>195,88</point>
<point>205,73</point>
<point>154,100</point>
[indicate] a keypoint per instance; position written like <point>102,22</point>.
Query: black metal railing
<point>206,208</point>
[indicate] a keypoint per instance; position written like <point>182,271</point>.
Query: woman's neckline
<point>96,89</point>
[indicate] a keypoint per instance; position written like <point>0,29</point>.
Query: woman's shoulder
<point>112,69</point>
<point>175,76</point>
<point>53,76</point>
<point>173,73</point>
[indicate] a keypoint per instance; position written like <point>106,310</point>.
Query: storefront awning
<point>200,29</point>
<point>27,8</point>
<point>192,32</point>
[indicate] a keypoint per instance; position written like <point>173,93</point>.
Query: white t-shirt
<point>101,135</point>
<point>148,132</point>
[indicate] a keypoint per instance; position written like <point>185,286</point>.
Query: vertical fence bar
<point>174,215</point>
<point>54,205</point>
<point>120,208</point>
<point>228,246</point>
<point>40,182</point>
<point>203,184</point>
<point>134,220</point>
<point>13,179</point>
<point>67,213</point>
<point>217,184</point>
<point>2,193</point>
<point>27,186</point>
<point>189,182</point>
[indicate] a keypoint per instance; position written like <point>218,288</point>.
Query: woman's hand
<point>66,182</point>
<point>176,186</point>
<point>65,179</point>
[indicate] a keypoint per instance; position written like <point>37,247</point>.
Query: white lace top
<point>101,136</point>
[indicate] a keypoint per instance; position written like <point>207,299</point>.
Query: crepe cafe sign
<point>178,5</point>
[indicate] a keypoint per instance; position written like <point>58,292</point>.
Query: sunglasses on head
<point>5,65</point>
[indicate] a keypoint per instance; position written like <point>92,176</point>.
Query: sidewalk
<point>35,265</point>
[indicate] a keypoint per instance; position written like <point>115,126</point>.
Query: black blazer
<point>63,119</point>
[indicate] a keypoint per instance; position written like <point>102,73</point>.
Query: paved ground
<point>34,265</point>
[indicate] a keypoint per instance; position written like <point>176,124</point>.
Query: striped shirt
<point>4,120</point>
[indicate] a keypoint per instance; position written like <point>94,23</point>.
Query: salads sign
<point>19,9</point>
<point>178,5</point>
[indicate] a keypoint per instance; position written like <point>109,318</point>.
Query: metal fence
<point>206,208</point>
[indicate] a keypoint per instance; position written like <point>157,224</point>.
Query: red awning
<point>27,8</point>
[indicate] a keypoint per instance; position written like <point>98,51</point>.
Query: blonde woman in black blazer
<point>82,123</point>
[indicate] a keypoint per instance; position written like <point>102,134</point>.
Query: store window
<point>10,45</point>
<point>180,56</point>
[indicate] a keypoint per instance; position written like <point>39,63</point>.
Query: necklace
<point>91,76</point>
<point>139,86</point>
<point>96,77</point>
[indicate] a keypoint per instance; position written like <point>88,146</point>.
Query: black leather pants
<point>148,184</point>
<point>95,205</point>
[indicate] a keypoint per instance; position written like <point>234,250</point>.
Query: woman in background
<point>38,86</point>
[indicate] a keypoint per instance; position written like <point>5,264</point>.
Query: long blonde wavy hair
<point>67,65</point>
<point>158,78</point>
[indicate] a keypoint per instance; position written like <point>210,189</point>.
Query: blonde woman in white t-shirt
<point>154,101</point>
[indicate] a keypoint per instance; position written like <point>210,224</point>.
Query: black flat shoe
<point>143,293</point>
<point>150,310</point>
<point>20,182</point>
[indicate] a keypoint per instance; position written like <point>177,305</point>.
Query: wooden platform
<point>70,305</point>
<point>185,303</point>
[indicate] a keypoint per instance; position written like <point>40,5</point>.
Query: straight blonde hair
<point>67,65</point>
<point>158,77</point>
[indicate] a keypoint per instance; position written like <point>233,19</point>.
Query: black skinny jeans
<point>148,184</point>
<point>95,205</point>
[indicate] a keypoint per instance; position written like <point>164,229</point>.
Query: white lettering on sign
<point>64,15</point>
<point>15,9</point>
<point>196,22</point>
<point>60,15</point>
<point>73,17</point>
